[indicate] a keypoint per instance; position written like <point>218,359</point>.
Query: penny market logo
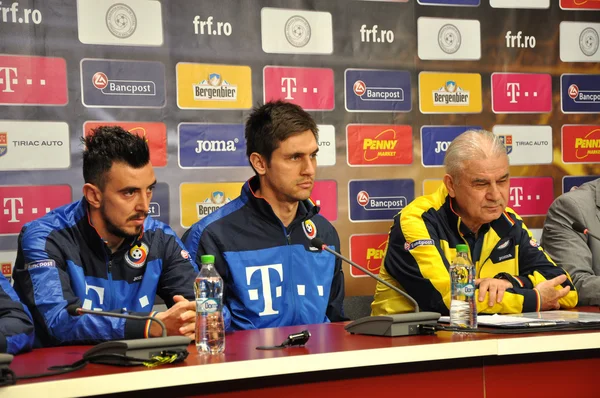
<point>377,147</point>
<point>587,146</point>
<point>450,95</point>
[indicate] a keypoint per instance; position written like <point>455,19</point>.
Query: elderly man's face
<point>481,191</point>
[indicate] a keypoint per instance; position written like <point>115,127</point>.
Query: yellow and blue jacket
<point>422,243</point>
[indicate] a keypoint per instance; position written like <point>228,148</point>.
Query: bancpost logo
<point>570,183</point>
<point>122,84</point>
<point>26,145</point>
<point>471,3</point>
<point>450,92</point>
<point>521,93</point>
<point>372,90</point>
<point>435,141</point>
<point>324,195</point>
<point>21,204</point>
<point>311,88</point>
<point>378,200</point>
<point>159,206</point>
<point>379,144</point>
<point>525,144</point>
<point>367,250</point>
<point>205,145</point>
<point>212,86</point>
<point>580,143</point>
<point>580,93</point>
<point>198,200</point>
<point>579,41</point>
<point>155,134</point>
<point>285,31</point>
<point>531,196</point>
<point>520,3</point>
<point>29,80</point>
<point>580,4</point>
<point>327,149</point>
<point>120,22</point>
<point>448,39</point>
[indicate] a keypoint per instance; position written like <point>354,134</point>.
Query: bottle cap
<point>207,259</point>
<point>462,248</point>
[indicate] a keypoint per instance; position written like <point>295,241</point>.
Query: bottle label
<point>207,305</point>
<point>468,289</point>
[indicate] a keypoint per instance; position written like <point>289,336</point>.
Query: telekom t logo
<point>14,207</point>
<point>10,76</point>
<point>516,195</point>
<point>288,86</point>
<point>87,303</point>
<point>266,286</point>
<point>513,90</point>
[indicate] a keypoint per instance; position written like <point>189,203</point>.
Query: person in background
<point>16,325</point>
<point>577,253</point>
<point>261,240</point>
<point>513,272</point>
<point>103,253</point>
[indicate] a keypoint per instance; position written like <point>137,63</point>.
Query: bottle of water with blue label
<point>210,327</point>
<point>463,307</point>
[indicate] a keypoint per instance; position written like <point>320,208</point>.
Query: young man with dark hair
<point>103,253</point>
<point>261,240</point>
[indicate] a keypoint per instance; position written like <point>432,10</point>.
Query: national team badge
<point>136,257</point>
<point>121,21</point>
<point>310,229</point>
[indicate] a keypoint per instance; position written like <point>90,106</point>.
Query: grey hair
<point>472,144</point>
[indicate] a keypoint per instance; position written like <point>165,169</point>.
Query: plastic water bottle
<point>463,307</point>
<point>210,327</point>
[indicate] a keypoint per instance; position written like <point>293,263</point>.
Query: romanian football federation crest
<point>310,229</point>
<point>136,256</point>
<point>121,20</point>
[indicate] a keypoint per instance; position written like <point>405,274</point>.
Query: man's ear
<point>450,183</point>
<point>259,163</point>
<point>93,195</point>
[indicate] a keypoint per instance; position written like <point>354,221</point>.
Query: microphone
<point>119,352</point>
<point>385,325</point>
<point>579,227</point>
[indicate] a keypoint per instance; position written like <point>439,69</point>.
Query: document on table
<point>533,319</point>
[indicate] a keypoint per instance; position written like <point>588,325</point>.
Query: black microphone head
<point>72,310</point>
<point>579,227</point>
<point>317,242</point>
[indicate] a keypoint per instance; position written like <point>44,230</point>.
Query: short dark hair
<point>274,122</point>
<point>107,145</point>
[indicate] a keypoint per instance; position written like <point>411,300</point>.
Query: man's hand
<point>549,295</point>
<point>180,319</point>
<point>495,288</point>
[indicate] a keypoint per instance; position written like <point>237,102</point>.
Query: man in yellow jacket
<point>513,272</point>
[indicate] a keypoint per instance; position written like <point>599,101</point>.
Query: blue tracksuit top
<point>272,275</point>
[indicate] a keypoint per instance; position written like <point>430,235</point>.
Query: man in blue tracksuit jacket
<point>16,326</point>
<point>104,253</point>
<point>261,240</point>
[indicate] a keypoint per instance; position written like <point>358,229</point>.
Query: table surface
<point>330,347</point>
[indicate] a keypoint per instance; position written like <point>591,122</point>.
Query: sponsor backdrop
<point>390,84</point>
